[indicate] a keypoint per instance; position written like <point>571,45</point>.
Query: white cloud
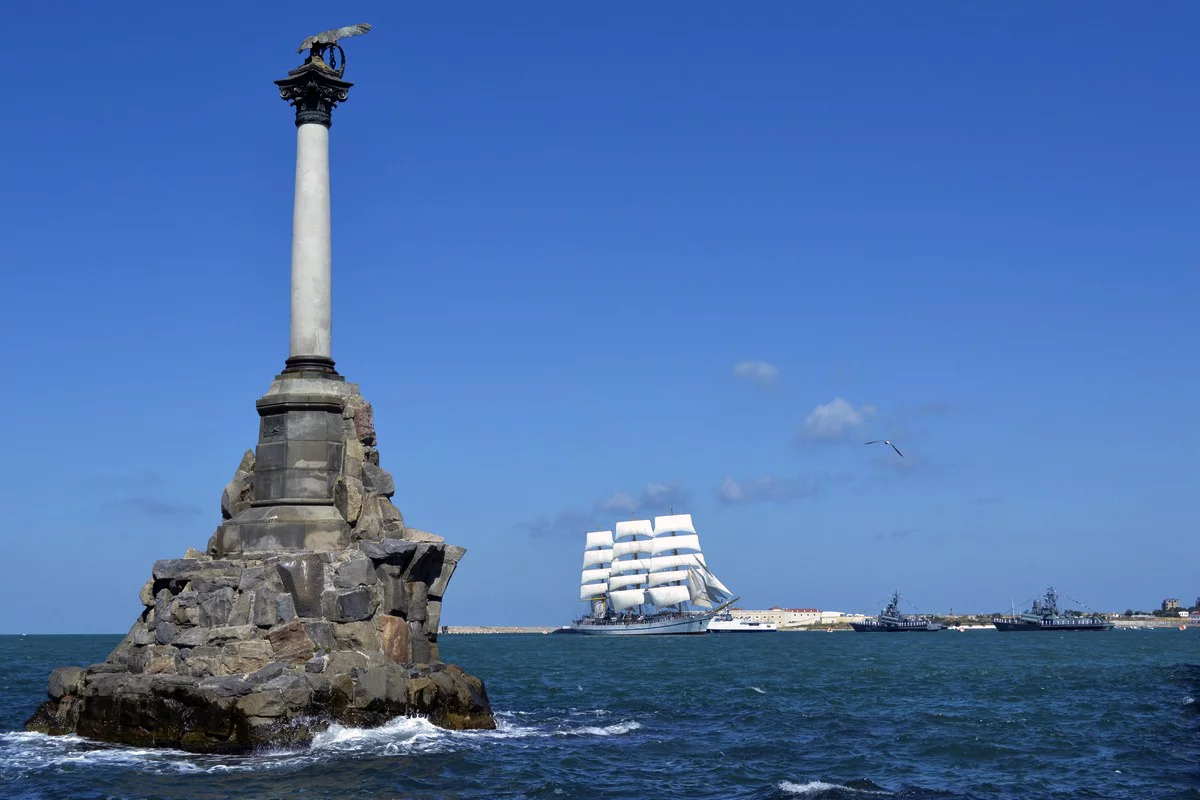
<point>620,501</point>
<point>761,373</point>
<point>834,419</point>
<point>655,498</point>
<point>773,489</point>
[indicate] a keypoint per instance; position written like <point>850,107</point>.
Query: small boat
<point>1044,615</point>
<point>890,620</point>
<point>728,623</point>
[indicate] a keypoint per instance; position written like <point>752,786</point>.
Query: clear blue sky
<point>559,229</point>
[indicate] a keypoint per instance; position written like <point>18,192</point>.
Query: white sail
<point>705,589</point>
<point>696,592</point>
<point>659,578</point>
<point>620,581</point>
<point>589,590</point>
<point>665,544</point>
<point>674,522</point>
<point>663,563</point>
<point>634,527</point>
<point>599,539</point>
<point>630,565</point>
<point>593,575</point>
<point>627,598</point>
<point>635,546</point>
<point>594,558</point>
<point>668,595</point>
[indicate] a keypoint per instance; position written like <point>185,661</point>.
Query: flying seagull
<point>889,444</point>
<point>330,37</point>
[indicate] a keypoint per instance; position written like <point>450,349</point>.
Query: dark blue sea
<point>975,714</point>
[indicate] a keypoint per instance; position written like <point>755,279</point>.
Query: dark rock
<point>394,552</point>
<point>356,636</point>
<point>285,608</point>
<point>357,570</point>
<point>418,598</point>
<point>265,609</point>
<point>165,632</point>
<point>64,681</point>
<point>269,672</point>
<point>378,480</point>
<point>364,423</point>
<point>451,555</point>
<point>352,605</point>
<point>215,607</point>
<point>236,633</point>
<point>304,579</point>
<point>176,568</point>
<point>395,596</point>
<point>240,489</point>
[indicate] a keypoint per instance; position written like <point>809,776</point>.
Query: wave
<point>608,730</point>
<point>818,788</point>
<point>760,691</point>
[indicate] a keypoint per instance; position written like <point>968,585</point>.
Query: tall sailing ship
<point>648,579</point>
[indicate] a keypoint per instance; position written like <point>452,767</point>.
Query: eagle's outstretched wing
<point>331,36</point>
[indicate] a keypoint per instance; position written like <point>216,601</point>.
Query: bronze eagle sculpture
<point>327,38</point>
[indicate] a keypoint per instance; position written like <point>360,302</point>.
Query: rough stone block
<point>263,704</point>
<point>165,632</point>
<point>264,611</point>
<point>356,636</point>
<point>190,637</point>
<point>394,638</point>
<point>364,423</point>
<point>420,645</point>
<point>304,579</point>
<point>378,480</point>
<point>451,555</point>
<point>225,685</point>
<point>395,552</point>
<point>146,595</point>
<point>426,563</point>
<point>176,568</point>
<point>348,497</point>
<point>356,570</point>
<point>285,607</point>
<point>215,607</point>
<point>395,596</point>
<point>321,633</point>
<point>159,659</point>
<point>414,535</point>
<point>351,605</point>
<point>370,518</point>
<point>240,614</point>
<point>316,664</point>
<point>238,633</point>
<point>433,618</point>
<point>246,656</point>
<point>352,458</point>
<point>64,681</point>
<point>251,578</point>
<point>291,643</point>
<point>418,599</point>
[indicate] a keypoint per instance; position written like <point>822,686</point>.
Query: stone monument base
<point>268,649</point>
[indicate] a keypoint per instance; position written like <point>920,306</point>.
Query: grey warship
<point>1044,615</point>
<point>890,620</point>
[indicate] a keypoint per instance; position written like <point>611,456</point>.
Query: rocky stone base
<point>278,705</point>
<point>266,649</point>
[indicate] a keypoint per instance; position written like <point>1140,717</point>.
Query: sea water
<point>979,714</point>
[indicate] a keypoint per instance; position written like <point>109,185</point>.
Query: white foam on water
<point>814,787</point>
<point>403,734</point>
<point>760,691</point>
<point>608,730</point>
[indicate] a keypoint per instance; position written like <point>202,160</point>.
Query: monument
<point>314,603</point>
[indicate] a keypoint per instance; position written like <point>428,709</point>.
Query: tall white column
<point>312,253</point>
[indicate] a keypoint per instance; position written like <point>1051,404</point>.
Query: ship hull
<point>870,627</point>
<point>672,626</point>
<point>1020,625</point>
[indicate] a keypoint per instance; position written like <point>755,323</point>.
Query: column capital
<point>313,89</point>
